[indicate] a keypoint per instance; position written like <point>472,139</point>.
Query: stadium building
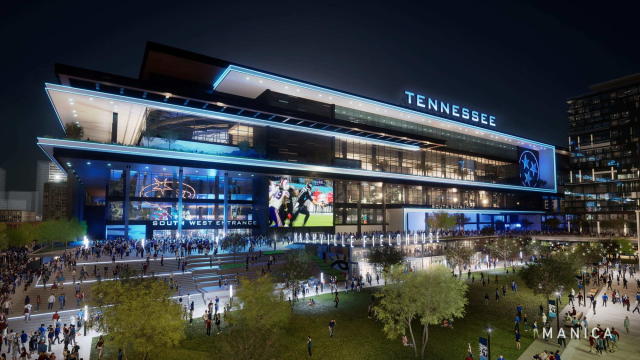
<point>200,146</point>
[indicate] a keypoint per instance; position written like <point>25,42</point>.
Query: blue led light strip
<point>476,211</point>
<point>383,105</point>
<point>218,115</point>
<point>271,164</point>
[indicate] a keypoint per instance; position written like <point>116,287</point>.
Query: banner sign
<point>201,224</point>
<point>552,309</point>
<point>484,348</point>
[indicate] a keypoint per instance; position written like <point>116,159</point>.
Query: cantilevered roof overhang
<point>88,150</point>
<point>250,83</point>
<point>94,109</point>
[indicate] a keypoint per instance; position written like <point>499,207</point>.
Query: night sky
<point>517,61</point>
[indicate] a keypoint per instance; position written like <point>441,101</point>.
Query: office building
<point>604,176</point>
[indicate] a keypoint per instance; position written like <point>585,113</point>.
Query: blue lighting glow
<point>270,164</point>
<point>474,211</point>
<point>381,104</point>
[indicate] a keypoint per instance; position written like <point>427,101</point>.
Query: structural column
<point>359,212</point>
<point>180,180</point>
<point>125,204</point>
<point>384,207</point>
<point>114,128</point>
<point>225,209</point>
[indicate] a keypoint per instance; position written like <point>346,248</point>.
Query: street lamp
<point>557,311</point>
<point>638,234</point>
<point>86,318</point>
<point>489,330</point>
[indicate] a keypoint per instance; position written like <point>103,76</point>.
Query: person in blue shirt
<point>42,331</point>
<point>56,334</point>
<point>24,338</point>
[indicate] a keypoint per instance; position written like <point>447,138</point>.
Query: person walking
<point>100,347</point>
<point>309,345</point>
<point>626,324</point>
<point>52,300</point>
<point>332,326</point>
<point>207,323</point>
<point>535,329</point>
<point>517,335</point>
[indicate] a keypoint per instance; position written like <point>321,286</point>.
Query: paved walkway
<point>170,267</point>
<point>611,316</point>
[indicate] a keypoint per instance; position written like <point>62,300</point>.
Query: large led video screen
<point>300,202</point>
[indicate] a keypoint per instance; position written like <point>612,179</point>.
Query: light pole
<point>489,330</point>
<point>638,235</point>
<point>584,286</point>
<point>86,318</point>
<point>557,311</point>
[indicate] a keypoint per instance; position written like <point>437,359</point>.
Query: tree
<point>20,236</point>
<point>441,221</point>
<point>233,243</point>
<point>428,297</point>
<point>550,274</point>
<point>588,253</point>
<point>4,237</point>
<point>458,255</point>
<point>504,248</point>
<point>297,267</point>
<point>49,232</point>
<point>139,316</point>
<point>256,326</point>
<point>613,248</point>
<point>73,131</point>
<point>73,229</point>
<point>60,230</point>
<point>538,248</point>
<point>384,257</point>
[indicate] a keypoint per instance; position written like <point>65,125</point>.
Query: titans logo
<point>529,169</point>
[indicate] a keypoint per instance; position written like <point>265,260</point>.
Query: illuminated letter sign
<point>435,106</point>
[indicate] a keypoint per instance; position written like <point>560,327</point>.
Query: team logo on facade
<point>529,169</point>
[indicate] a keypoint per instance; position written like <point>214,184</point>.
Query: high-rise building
<point>46,172</point>
<point>603,190</point>
<point>3,182</point>
<point>56,201</point>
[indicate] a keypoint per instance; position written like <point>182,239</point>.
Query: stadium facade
<point>197,145</point>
